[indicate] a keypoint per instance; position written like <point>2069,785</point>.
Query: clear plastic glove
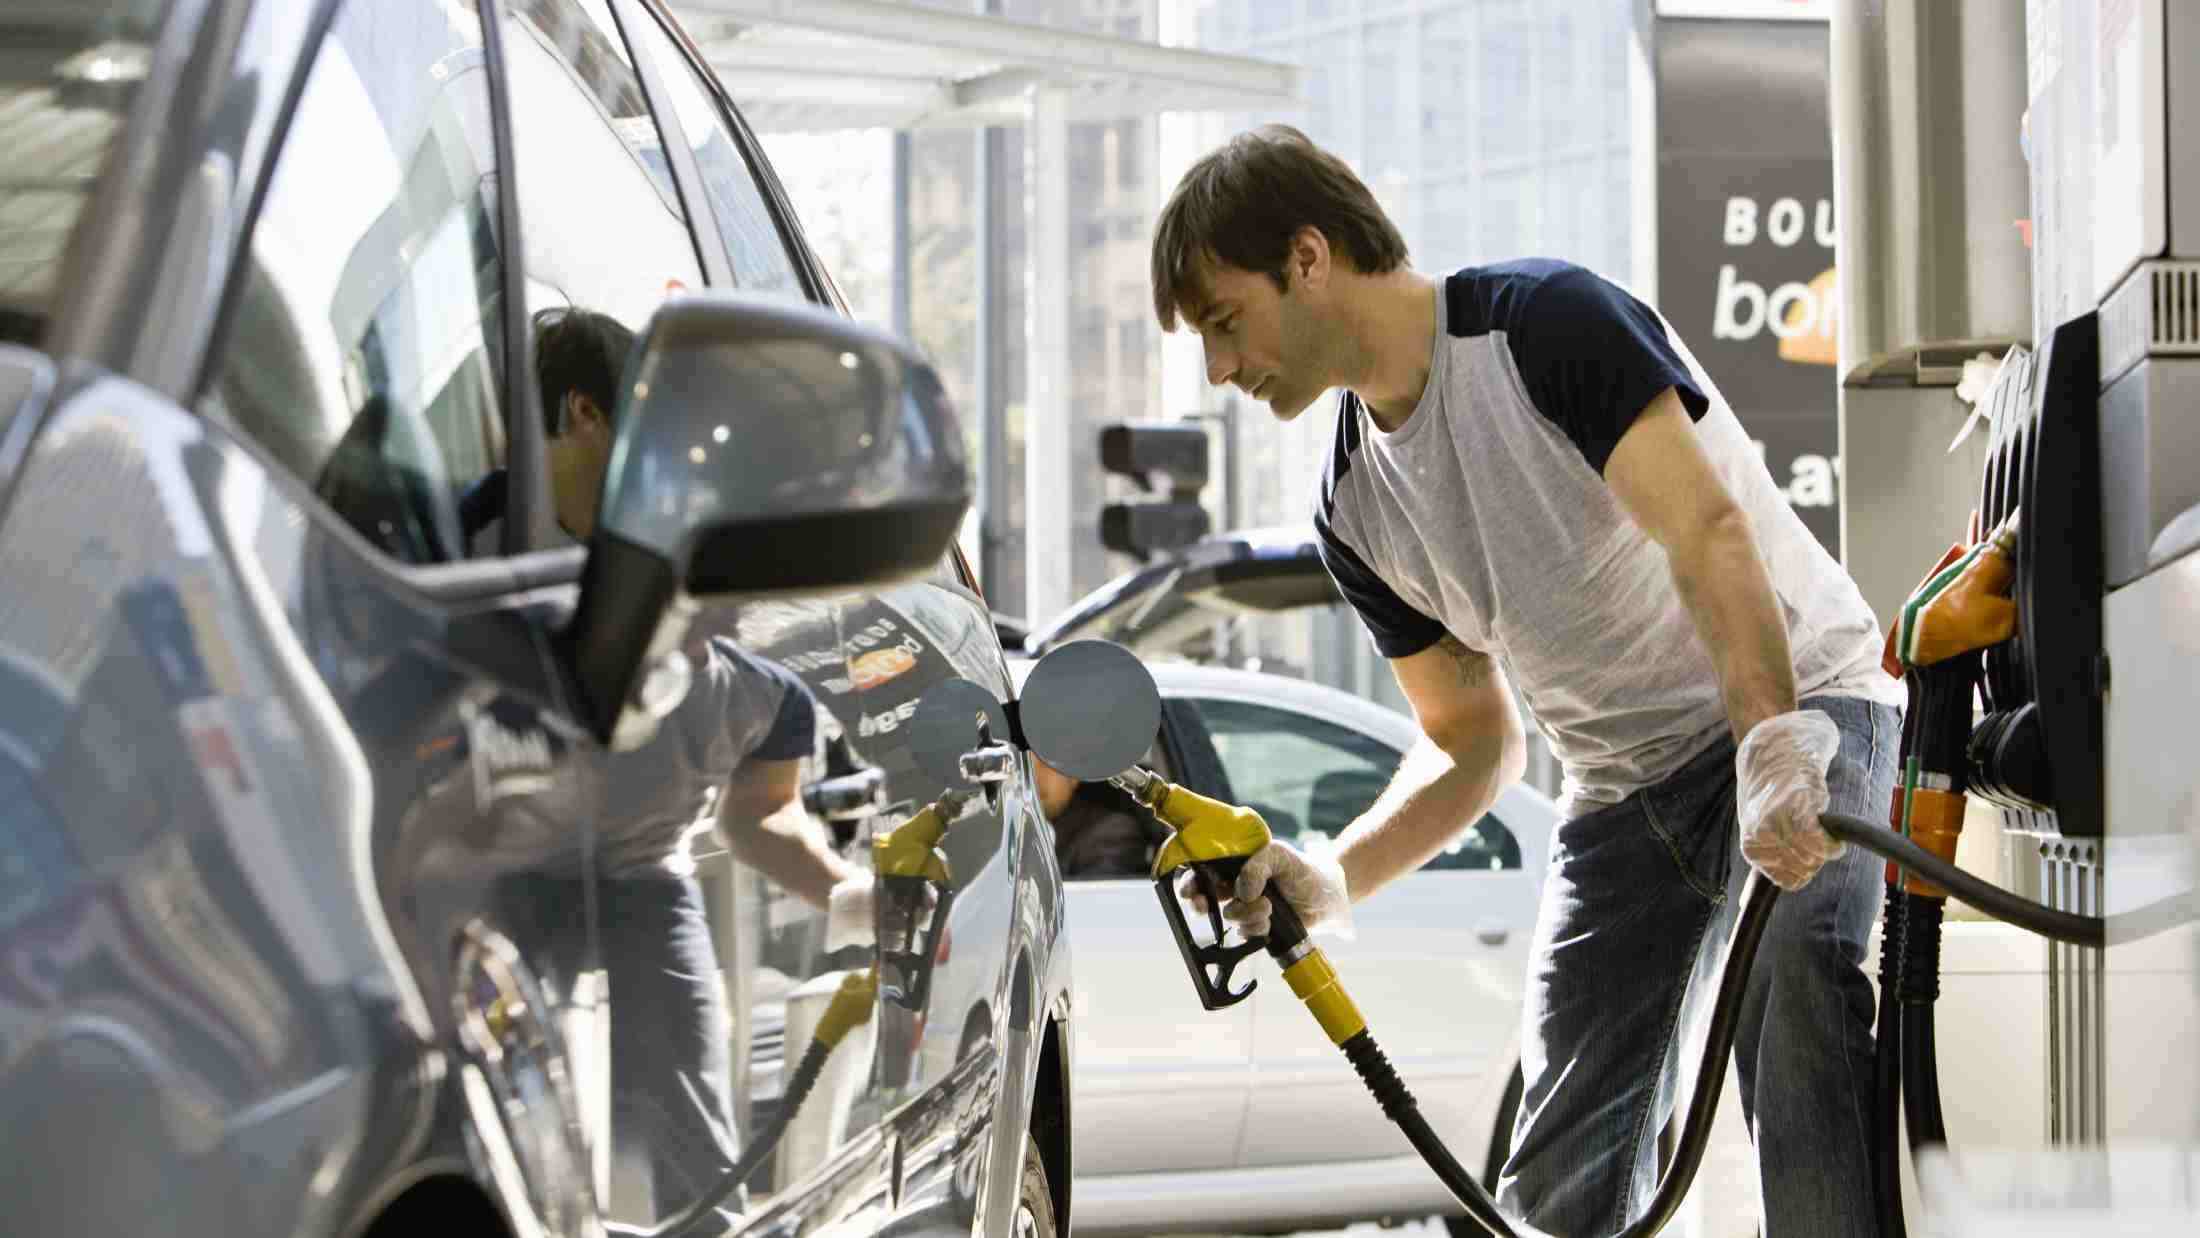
<point>1314,883</point>
<point>850,917</point>
<point>1780,790</point>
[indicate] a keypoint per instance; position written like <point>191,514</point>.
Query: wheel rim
<point>1027,1222</point>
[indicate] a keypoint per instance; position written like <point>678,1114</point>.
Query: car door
<point>924,1072</point>
<point>1435,961</point>
<point>296,747</point>
<point>1161,1084</point>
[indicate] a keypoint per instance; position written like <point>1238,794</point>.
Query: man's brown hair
<point>1241,204</point>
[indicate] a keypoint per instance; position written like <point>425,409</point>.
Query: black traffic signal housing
<point>1166,458</point>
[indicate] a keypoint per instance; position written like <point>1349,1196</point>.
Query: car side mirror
<point>763,448</point>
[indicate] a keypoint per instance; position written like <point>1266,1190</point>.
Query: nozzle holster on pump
<point>1936,647</point>
<point>913,874</point>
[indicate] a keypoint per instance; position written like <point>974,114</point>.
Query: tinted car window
<point>64,86</point>
<point>363,353</point>
<point>760,259</point>
<point>604,228</point>
<point>1303,774</point>
<point>607,240</point>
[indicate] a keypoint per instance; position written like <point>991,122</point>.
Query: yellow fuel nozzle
<point>911,849</point>
<point>850,1008</point>
<point>918,888</point>
<point>1203,829</point>
<point>1215,839</point>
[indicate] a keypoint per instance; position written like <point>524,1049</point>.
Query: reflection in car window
<point>760,259</point>
<point>70,73</point>
<point>604,229</point>
<point>363,355</point>
<point>1303,774</point>
<point>581,36</point>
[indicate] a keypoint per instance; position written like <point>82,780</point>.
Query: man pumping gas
<point>1533,482</point>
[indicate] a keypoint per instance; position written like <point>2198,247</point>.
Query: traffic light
<point>1162,457</point>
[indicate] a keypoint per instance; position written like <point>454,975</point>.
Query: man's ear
<point>582,411</point>
<point>1309,257</point>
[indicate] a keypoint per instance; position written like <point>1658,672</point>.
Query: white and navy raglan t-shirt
<point>1486,515</point>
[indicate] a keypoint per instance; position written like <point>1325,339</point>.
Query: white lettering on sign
<point>1784,221</point>
<point>1792,309</point>
<point>867,637</point>
<point>1785,224</point>
<point>1813,480</point>
<point>885,723</point>
<point>1741,221</point>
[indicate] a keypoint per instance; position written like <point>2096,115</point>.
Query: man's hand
<point>1780,781</point>
<point>1315,886</point>
<point>850,915</point>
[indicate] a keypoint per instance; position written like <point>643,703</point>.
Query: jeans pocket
<point>1692,814</point>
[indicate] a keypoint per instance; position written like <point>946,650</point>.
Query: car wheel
<point>1034,1199</point>
<point>1508,1107</point>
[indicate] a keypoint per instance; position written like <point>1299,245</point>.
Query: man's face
<point>578,458</point>
<point>1261,339</point>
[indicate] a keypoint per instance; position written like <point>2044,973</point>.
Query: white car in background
<point>1247,1118</point>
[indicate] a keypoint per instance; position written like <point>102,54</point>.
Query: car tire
<point>1508,1106</point>
<point>1034,1198</point>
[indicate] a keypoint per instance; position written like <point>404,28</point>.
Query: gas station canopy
<point>857,64</point>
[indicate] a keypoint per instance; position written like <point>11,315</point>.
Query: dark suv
<point>465,592</point>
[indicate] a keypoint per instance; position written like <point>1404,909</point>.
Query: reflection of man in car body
<point>730,754</point>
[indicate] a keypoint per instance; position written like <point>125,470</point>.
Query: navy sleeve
<point>793,727</point>
<point>1399,630</point>
<point>482,503</point>
<point>1592,358</point>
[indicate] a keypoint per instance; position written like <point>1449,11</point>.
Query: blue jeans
<point>1637,908</point>
<point>671,1035</point>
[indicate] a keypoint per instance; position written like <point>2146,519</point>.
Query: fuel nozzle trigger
<point>1215,877</point>
<point>1214,840</point>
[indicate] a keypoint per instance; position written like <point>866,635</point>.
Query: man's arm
<point>1471,749</point>
<point>1666,483</point>
<point>762,820</point>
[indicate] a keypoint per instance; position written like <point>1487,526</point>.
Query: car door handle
<point>993,763</point>
<point>1492,932</point>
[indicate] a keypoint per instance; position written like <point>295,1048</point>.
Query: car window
<point>66,84</point>
<point>604,228</point>
<point>607,240</point>
<point>363,354</point>
<point>761,261</point>
<point>1307,776</point>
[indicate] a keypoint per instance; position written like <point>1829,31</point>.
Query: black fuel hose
<point>1887,1069</point>
<point>1920,990</point>
<point>1992,899</point>
<point>751,1158</point>
<point>1758,899</point>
